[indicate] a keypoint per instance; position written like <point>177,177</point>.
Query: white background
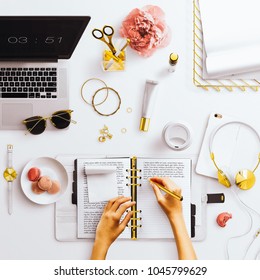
<point>29,232</point>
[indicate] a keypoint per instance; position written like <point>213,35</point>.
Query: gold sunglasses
<point>60,119</point>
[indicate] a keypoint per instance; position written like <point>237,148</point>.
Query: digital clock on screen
<point>25,40</point>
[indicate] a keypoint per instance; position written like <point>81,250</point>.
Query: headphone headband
<point>214,132</point>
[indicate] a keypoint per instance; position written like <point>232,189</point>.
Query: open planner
<point>131,175</point>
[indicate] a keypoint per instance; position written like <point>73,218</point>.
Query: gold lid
<point>173,58</point>
<point>144,124</point>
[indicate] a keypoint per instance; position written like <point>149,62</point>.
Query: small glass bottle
<point>173,59</point>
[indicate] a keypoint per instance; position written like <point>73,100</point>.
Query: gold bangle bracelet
<point>108,89</point>
<point>84,84</point>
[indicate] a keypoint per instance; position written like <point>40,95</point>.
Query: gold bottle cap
<point>144,124</point>
<point>173,58</point>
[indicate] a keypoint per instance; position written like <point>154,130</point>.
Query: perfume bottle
<point>173,59</point>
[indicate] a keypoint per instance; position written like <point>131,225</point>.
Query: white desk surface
<point>29,232</point>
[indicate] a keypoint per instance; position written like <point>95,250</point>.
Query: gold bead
<point>101,138</point>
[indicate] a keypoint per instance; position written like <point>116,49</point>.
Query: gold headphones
<point>245,178</point>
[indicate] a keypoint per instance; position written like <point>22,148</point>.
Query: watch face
<point>10,174</point>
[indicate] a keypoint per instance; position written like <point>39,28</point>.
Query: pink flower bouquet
<point>146,29</point>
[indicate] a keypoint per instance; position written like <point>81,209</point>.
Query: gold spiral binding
<point>136,219</point>
<point>138,185</point>
<point>133,183</point>
<point>130,177</point>
<point>198,80</point>
<point>137,211</point>
<point>135,226</point>
<point>129,170</point>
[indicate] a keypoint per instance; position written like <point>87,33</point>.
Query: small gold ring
<point>101,138</point>
<point>129,110</point>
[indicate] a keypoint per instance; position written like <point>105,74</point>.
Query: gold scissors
<point>107,31</point>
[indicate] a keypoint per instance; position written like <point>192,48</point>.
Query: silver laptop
<point>33,74</point>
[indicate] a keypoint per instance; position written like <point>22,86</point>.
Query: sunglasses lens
<point>35,125</point>
<point>61,119</point>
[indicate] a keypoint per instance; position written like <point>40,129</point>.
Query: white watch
<point>10,175</point>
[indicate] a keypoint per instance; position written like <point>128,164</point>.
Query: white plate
<point>49,167</point>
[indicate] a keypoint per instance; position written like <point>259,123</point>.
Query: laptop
<point>33,73</point>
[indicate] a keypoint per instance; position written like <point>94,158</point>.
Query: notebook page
<point>154,222</point>
<point>89,213</point>
<point>231,36</point>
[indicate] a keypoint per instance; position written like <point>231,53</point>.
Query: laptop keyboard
<point>28,82</point>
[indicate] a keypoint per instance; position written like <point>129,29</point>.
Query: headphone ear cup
<point>245,179</point>
<point>225,178</point>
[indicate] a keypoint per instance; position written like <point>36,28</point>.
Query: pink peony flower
<point>146,29</point>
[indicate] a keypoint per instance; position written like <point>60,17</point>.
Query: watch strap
<point>9,155</point>
<point>10,197</point>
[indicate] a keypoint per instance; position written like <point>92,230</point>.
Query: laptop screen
<point>36,37</point>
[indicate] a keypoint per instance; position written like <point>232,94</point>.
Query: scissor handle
<point>97,33</point>
<point>108,30</point>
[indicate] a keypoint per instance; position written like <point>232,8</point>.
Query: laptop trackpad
<point>14,113</point>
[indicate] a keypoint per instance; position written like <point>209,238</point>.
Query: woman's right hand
<point>173,209</point>
<point>170,205</point>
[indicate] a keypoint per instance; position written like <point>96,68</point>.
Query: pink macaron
<point>55,188</point>
<point>36,189</point>
<point>45,183</point>
<point>34,174</point>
